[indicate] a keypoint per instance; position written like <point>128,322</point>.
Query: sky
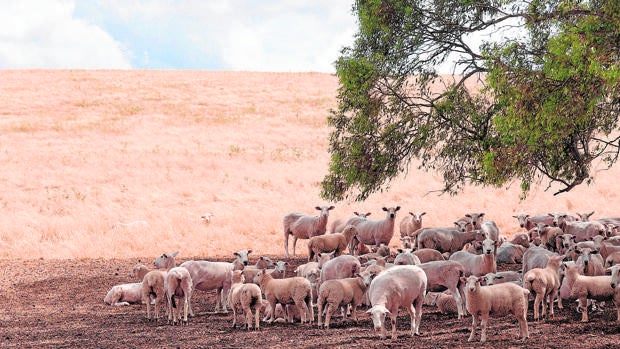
<point>242,35</point>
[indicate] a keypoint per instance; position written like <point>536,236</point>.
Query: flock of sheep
<point>563,257</point>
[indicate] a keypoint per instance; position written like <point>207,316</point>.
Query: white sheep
<point>138,271</point>
<point>124,294</point>
<point>376,232</point>
<point>295,290</point>
<point>245,297</point>
<point>478,264</point>
<point>337,242</point>
<point>405,256</point>
<point>399,286</point>
<point>339,294</point>
<point>178,285</point>
<point>447,239</point>
<point>503,276</point>
<point>612,259</point>
<point>446,275</point>
<point>584,287</point>
<point>153,283</point>
<point>410,224</point>
<point>496,300</point>
<point>428,255</point>
<point>545,283</point>
<point>615,282</point>
<point>444,302</point>
<point>302,226</point>
<point>338,225</point>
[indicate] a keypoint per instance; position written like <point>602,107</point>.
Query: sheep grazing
<point>302,226</point>
<point>478,264</point>
<point>178,284</point>
<point>336,242</point>
<point>446,275</point>
<point>376,232</point>
<point>410,224</point>
<point>124,294</point>
<point>545,283</point>
<point>295,290</point>
<point>584,287</point>
<point>207,276</point>
<point>447,239</point>
<point>399,286</point>
<point>245,297</point>
<point>340,294</point>
<point>496,300</point>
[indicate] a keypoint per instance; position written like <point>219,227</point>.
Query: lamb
<point>497,300</point>
<point>407,243</point>
<point>502,277</point>
<point>178,283</point>
<point>340,293</point>
<point>138,271</point>
<point>406,257</point>
<point>336,242</point>
<point>302,226</point>
<point>207,276</point>
<point>612,259</point>
<point>245,297</point>
<point>584,287</point>
<point>295,290</point>
<point>153,284</point>
<point>445,275</point>
<point>428,255</point>
<point>478,264</point>
<point>124,294</point>
<point>399,286</point>
<point>376,232</point>
<point>545,283</point>
<point>447,239</point>
<point>410,224</point>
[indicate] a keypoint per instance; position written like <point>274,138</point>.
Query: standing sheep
<point>497,300</point>
<point>339,294</point>
<point>153,283</point>
<point>295,290</point>
<point>410,224</point>
<point>584,287</point>
<point>545,283</point>
<point>400,286</point>
<point>478,264</point>
<point>336,242</point>
<point>178,284</point>
<point>302,226</point>
<point>376,232</point>
<point>244,297</point>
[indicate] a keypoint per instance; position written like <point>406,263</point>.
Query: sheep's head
<point>615,275</point>
<point>377,314</point>
<point>242,256</point>
<point>391,212</point>
<point>488,246</point>
<point>472,283</point>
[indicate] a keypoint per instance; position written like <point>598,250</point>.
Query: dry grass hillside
<point>124,163</point>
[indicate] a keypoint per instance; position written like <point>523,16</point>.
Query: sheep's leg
<point>412,317</point>
<point>320,313</point>
<point>354,312</point>
<point>474,323</point>
<point>544,300</point>
<point>522,319</point>
<point>552,296</point>
<point>256,317</point>
<point>330,310</point>
<point>418,314</point>
<point>185,306</point>
<point>148,308</point>
<point>537,302</point>
<point>393,322</point>
<point>311,309</point>
<point>294,244</point>
<point>459,302</point>
<point>583,304</point>
<point>303,310</point>
<point>483,328</point>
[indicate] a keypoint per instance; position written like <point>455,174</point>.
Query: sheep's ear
<point>397,208</point>
<point>174,254</point>
<point>385,209</point>
<point>236,254</point>
<point>594,252</point>
<point>317,207</point>
<point>331,207</point>
<point>249,251</point>
<point>480,279</point>
<point>400,250</point>
<point>463,279</point>
<point>499,276</point>
<point>422,214</point>
<point>468,215</point>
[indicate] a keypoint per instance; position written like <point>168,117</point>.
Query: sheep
<point>475,219</point>
<point>249,272</point>
<point>583,230</point>
<point>502,277</point>
<point>302,226</point>
<point>340,293</point>
<point>590,261</point>
<point>447,239</point>
<point>535,257</point>
<point>376,232</point>
<point>510,253</point>
<point>615,281</point>
<point>407,243</point>
<point>138,271</point>
<point>207,276</point>
<point>343,266</point>
<point>410,224</point>
<point>428,255</point>
<point>406,257</point>
<point>584,287</point>
<point>497,300</point>
<point>244,297</point>
<point>444,302</point>
<point>338,225</point>
<point>445,275</point>
<point>545,283</point>
<point>312,273</point>
<point>584,217</point>
<point>560,219</point>
<point>528,222</point>
<point>548,236</point>
<point>521,239</point>
<point>478,264</point>
<point>153,283</point>
<point>491,231</point>
<point>124,294</point>
<point>206,218</point>
<point>294,290</point>
<point>612,259</point>
<point>337,242</point>
<point>399,286</point>
<point>278,272</point>
<point>605,249</point>
<point>178,283</point>
<point>564,242</point>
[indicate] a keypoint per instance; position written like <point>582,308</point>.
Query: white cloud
<point>44,34</point>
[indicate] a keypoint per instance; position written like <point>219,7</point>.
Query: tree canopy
<point>534,99</point>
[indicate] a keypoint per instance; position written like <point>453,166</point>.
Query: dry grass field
<point>99,168</point>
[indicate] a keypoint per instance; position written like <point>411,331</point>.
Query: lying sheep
<point>399,286</point>
<point>583,288</point>
<point>178,285</point>
<point>478,264</point>
<point>295,290</point>
<point>502,277</point>
<point>496,300</point>
<point>612,259</point>
<point>124,294</point>
<point>244,297</point>
<point>337,242</point>
<point>302,226</point>
<point>545,283</point>
<point>444,302</point>
<point>509,253</point>
<point>428,255</point>
<point>521,239</point>
<point>406,257</point>
<point>340,294</point>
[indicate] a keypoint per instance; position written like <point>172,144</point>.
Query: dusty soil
<point>59,304</point>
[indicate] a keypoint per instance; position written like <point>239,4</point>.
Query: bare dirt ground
<point>59,304</point>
